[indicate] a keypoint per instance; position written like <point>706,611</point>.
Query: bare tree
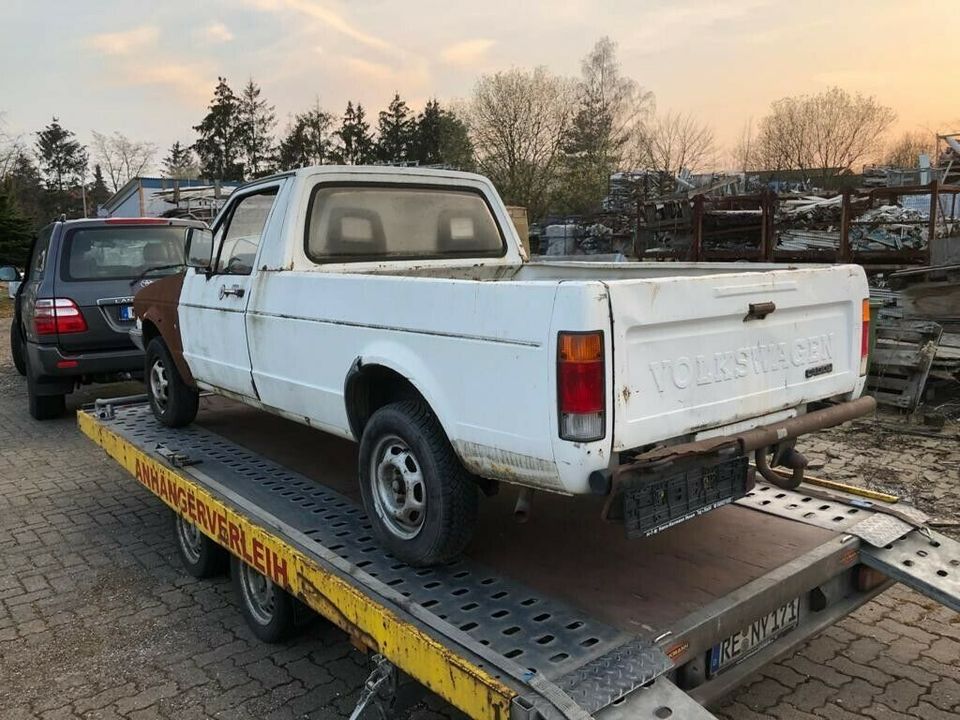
<point>827,134</point>
<point>744,153</point>
<point>675,141</point>
<point>11,148</point>
<point>610,108</point>
<point>121,157</point>
<point>518,121</point>
<point>906,150</point>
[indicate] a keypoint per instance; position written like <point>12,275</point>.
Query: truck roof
<point>368,170</point>
<point>107,221</point>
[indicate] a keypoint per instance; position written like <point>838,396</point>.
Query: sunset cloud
<point>124,42</point>
<point>327,16</point>
<point>468,52</point>
<point>217,33</point>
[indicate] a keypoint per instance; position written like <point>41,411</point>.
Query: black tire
<point>16,348</point>
<point>173,402</point>
<point>201,556</point>
<point>404,443</point>
<point>270,611</point>
<point>44,407</point>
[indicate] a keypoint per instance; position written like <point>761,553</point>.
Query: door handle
<point>232,290</point>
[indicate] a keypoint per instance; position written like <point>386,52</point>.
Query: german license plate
<point>126,312</point>
<point>754,637</point>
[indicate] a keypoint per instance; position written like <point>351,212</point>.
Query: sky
<point>147,69</point>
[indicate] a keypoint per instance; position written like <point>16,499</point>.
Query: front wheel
<point>173,402</point>
<point>420,500</point>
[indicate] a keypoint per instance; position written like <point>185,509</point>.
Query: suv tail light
<point>58,315</point>
<point>865,338</point>
<point>580,385</point>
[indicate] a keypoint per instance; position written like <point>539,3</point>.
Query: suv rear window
<point>115,253</point>
<point>347,223</point>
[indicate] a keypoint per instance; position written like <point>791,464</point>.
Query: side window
<point>39,258</point>
<point>239,235</point>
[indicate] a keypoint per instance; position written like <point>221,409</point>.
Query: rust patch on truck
<point>158,303</point>
<point>497,464</point>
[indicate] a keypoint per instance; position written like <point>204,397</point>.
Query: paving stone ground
<point>97,620</point>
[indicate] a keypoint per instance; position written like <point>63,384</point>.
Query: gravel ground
<point>97,620</point>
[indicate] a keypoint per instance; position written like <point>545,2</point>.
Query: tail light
<point>58,315</point>
<point>580,386</point>
<point>865,338</point>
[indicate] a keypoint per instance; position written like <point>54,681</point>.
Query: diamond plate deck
<point>795,505</point>
<point>550,638</point>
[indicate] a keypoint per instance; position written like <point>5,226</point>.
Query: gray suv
<point>74,308</point>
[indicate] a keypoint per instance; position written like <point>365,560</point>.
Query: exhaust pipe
<point>521,511</point>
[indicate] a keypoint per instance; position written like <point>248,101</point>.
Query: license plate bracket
<point>757,635</point>
<point>653,502</point>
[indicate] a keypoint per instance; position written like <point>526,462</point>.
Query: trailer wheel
<point>173,402</point>
<point>421,501</point>
<point>201,556</point>
<point>270,611</point>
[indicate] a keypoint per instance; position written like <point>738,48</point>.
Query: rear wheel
<point>16,348</point>
<point>270,611</point>
<point>421,501</point>
<point>173,402</point>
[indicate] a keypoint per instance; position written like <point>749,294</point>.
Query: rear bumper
<point>52,367</point>
<point>664,465</point>
<point>136,337</point>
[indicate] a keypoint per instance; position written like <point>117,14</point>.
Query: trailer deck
<point>561,617</point>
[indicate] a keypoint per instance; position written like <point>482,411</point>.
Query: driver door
<point>213,305</point>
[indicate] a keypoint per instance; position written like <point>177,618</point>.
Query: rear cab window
<point>399,222</point>
<point>115,253</point>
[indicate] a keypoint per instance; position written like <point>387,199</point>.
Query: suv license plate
<point>760,633</point>
<point>126,312</point>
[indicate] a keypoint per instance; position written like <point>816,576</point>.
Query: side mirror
<point>199,248</point>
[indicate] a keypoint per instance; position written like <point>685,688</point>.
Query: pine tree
<point>395,132</point>
<point>441,138</point>
<point>356,143</point>
<point>98,193</point>
<point>16,231</point>
<point>220,143</point>
<point>179,163</point>
<point>256,122</point>
<point>308,140</point>
<point>63,164</point>
<point>26,189</point>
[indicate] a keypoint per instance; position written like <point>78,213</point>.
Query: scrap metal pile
<point>809,223</point>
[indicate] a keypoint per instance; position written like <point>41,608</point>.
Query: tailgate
<point>686,359</point>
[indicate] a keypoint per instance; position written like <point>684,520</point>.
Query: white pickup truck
<point>396,307</point>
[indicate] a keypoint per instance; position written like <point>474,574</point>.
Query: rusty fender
<point>757,441</point>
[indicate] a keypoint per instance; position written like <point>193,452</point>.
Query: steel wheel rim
<point>398,487</point>
<point>190,538</point>
<point>159,384</point>
<point>259,594</point>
